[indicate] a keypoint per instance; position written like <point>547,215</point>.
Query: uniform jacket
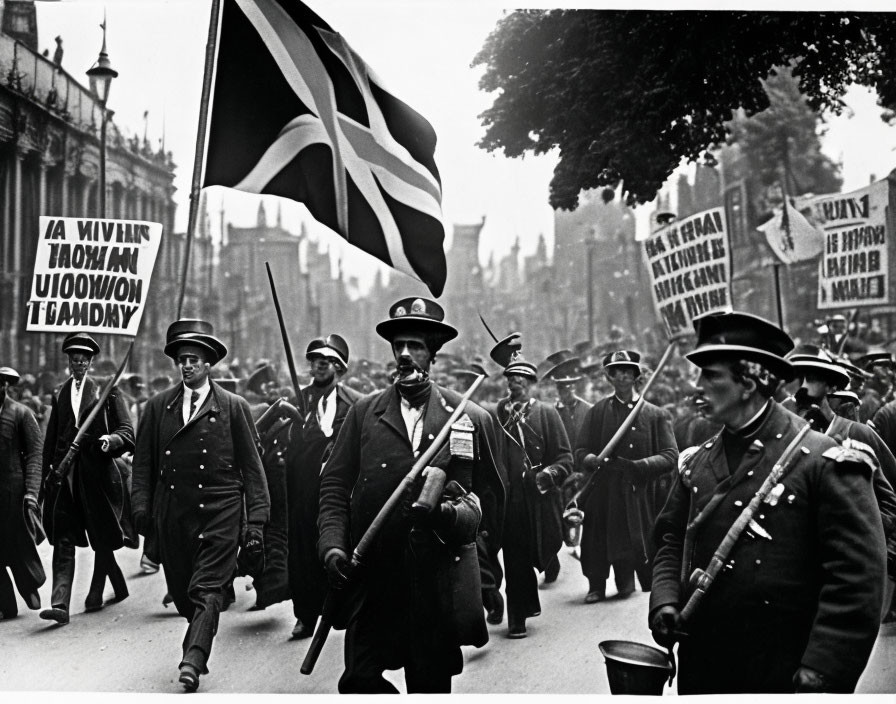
<point>884,422</point>
<point>215,453</point>
<point>370,458</point>
<point>20,473</point>
<point>820,570</point>
<point>572,420</point>
<point>544,445</point>
<point>630,505</point>
<point>94,477</point>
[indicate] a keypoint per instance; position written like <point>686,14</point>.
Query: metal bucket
<point>635,668</point>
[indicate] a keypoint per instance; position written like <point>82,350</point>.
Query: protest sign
<point>92,275</point>
<point>690,267</point>
<point>853,269</point>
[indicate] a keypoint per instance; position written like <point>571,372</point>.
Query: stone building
<point>49,165</point>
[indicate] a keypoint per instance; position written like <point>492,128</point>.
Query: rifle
<point>333,602</point>
<point>56,475</point>
<point>300,399</point>
<point>573,505</point>
<point>701,580</point>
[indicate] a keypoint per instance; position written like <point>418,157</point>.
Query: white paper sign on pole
<point>92,275</point>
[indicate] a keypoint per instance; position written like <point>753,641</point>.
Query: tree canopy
<point>626,95</point>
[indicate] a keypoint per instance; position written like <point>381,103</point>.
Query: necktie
<point>193,399</point>
<point>78,385</point>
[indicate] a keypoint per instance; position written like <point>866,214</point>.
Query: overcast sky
<point>422,49</point>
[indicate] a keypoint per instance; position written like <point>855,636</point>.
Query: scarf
<point>414,388</point>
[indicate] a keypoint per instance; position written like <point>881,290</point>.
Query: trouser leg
<point>63,574</point>
<point>98,580</point>
<point>363,663</point>
<point>8,606</point>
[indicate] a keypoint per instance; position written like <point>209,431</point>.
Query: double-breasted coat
<point>406,612</point>
<point>620,510</point>
<point>20,473</point>
<point>805,587</point>
<point>94,479</point>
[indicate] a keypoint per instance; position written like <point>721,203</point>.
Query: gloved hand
<point>590,463</point>
<point>664,624</point>
<point>250,561</point>
<point>110,444</point>
<point>807,680</point>
<point>32,517</point>
<point>544,481</point>
<point>338,569</point>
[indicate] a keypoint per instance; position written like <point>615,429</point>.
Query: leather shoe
<point>56,614</point>
<point>93,602</point>
<point>595,596</point>
<point>494,607</point>
<point>148,566</point>
<point>189,677</point>
<point>552,571</point>
<point>301,630</point>
<point>626,591</point>
<point>517,629</point>
<point>167,599</point>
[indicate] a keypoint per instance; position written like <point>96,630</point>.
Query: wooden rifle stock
<point>57,475</point>
<point>623,429</point>
<point>701,580</point>
<point>333,600</point>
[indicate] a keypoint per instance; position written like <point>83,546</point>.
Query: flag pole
<point>785,223</point>
<point>199,158</point>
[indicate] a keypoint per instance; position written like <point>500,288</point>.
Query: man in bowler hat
<point>20,476</point>
<point>796,606</point>
<point>420,586</point>
<point>91,501</point>
<point>195,466</point>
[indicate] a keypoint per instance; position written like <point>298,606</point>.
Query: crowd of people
<point>746,481</point>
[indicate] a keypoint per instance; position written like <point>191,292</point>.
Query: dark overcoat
<point>543,444</point>
<point>94,478</point>
<point>620,510</point>
<point>20,473</point>
<point>308,449</point>
<point>805,588</point>
<point>193,479</point>
<point>884,422</point>
<point>371,456</point>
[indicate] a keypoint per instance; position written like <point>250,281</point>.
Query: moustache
<point>805,400</point>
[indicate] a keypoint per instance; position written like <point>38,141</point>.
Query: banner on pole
<point>853,269</point>
<point>92,275</point>
<point>690,268</point>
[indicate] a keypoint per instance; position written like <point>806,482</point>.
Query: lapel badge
<point>461,438</point>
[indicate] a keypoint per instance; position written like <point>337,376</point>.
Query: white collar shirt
<point>326,412</point>
<point>413,422</point>
<point>77,392</point>
<point>188,393</point>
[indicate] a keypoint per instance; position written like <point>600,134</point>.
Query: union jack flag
<point>297,113</point>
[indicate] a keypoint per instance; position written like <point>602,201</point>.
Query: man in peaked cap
<point>879,386</point>
<point>798,603</point>
<point>415,612</point>
<point>196,465</point>
<point>309,443</point>
<point>620,505</point>
<point>538,459</point>
<point>90,503</point>
<point>20,476</point>
<point>563,368</point>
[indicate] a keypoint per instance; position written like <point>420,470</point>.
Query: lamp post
<point>101,75</point>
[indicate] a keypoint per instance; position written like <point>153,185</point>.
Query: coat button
<point>204,451</point>
<point>384,465</point>
<point>167,452</point>
<point>201,505</point>
<point>211,420</point>
<point>631,445</point>
<point>779,436</point>
<point>201,536</point>
<point>172,486</point>
<point>695,490</point>
<point>738,503</point>
<point>200,486</point>
<point>634,428</point>
<point>202,466</point>
<point>758,562</point>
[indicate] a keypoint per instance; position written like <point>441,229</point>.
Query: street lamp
<point>101,75</point>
